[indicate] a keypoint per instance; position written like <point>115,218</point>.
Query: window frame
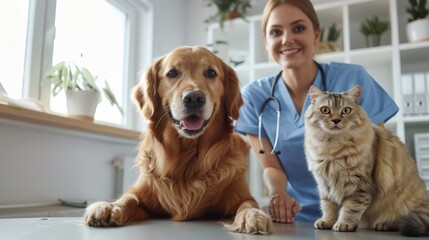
<point>40,45</point>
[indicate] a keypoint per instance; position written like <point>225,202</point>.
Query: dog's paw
<point>323,224</point>
<point>103,214</point>
<point>344,227</point>
<point>251,221</point>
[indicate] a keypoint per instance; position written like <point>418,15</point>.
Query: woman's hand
<point>283,208</point>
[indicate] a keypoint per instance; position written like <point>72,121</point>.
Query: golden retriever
<point>192,164</point>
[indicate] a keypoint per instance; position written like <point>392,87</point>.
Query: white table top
<point>73,229</point>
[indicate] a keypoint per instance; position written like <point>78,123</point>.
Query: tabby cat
<point>364,173</point>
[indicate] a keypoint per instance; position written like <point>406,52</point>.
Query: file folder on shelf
<point>407,92</point>
<point>427,92</point>
<point>419,83</point>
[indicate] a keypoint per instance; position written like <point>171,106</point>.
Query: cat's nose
<point>336,121</point>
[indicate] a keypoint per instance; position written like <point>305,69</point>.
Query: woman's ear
<point>317,34</point>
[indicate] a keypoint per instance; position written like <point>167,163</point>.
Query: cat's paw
<point>103,214</point>
<point>251,221</point>
<point>344,227</point>
<point>385,227</point>
<point>323,224</point>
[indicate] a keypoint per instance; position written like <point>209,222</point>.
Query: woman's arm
<point>282,207</point>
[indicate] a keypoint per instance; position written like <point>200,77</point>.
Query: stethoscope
<point>278,109</point>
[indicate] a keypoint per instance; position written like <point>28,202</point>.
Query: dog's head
<point>188,86</point>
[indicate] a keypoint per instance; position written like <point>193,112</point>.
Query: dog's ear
<point>145,92</point>
<point>233,99</point>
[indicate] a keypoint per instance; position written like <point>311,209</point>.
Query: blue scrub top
<point>340,77</point>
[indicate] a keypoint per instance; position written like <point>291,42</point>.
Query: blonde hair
<point>304,5</point>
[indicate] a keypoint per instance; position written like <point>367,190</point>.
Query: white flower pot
<point>82,104</point>
<point>418,30</point>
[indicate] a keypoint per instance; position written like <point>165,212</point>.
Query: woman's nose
<point>287,39</point>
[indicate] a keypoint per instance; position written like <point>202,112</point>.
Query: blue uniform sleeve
<point>248,120</point>
<point>379,106</point>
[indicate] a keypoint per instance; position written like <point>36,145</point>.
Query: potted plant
<point>418,23</point>
<point>81,89</point>
<point>228,9</point>
<point>328,42</point>
<point>372,29</point>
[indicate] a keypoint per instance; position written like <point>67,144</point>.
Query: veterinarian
<point>273,113</point>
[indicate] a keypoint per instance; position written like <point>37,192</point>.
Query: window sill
<point>64,122</point>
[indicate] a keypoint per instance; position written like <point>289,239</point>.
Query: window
<point>12,45</point>
<point>92,34</point>
<point>113,36</point>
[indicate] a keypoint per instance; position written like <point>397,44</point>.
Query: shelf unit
<point>386,63</point>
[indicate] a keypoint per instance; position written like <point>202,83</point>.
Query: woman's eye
<point>298,28</point>
<point>325,110</point>
<point>346,111</point>
<point>172,73</point>
<point>211,73</point>
<point>275,33</point>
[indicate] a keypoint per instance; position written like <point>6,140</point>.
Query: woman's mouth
<point>290,52</point>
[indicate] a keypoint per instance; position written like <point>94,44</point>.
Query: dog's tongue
<point>193,123</point>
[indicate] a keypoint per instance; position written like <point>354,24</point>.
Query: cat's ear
<point>355,93</point>
<point>314,93</point>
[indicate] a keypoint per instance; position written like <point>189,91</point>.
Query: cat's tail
<point>416,224</point>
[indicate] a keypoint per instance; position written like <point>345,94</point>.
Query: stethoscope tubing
<point>278,110</point>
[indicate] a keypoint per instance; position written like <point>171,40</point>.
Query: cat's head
<point>334,113</point>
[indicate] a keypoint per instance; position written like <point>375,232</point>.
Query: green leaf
<point>111,97</point>
<point>88,78</point>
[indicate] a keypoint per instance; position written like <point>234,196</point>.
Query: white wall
<point>41,164</point>
<point>169,25</point>
<point>181,22</point>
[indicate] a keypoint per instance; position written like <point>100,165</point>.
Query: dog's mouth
<point>191,125</point>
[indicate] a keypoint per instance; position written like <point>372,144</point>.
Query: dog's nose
<point>193,99</point>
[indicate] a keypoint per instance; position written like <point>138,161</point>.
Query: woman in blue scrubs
<point>291,32</point>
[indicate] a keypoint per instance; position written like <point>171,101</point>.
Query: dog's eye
<point>172,73</point>
<point>211,73</point>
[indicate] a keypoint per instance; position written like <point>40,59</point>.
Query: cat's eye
<point>346,111</point>
<point>325,110</point>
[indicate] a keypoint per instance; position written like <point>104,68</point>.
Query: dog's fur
<point>192,164</point>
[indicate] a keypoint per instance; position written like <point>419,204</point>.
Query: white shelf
<point>385,63</point>
<point>412,46</point>
<point>417,119</point>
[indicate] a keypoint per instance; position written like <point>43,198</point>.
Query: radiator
<point>421,142</point>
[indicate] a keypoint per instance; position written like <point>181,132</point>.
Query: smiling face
<point>190,89</point>
<point>290,37</point>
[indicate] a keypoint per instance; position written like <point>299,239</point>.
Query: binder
<point>419,83</point>
<point>407,92</point>
<point>427,92</point>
